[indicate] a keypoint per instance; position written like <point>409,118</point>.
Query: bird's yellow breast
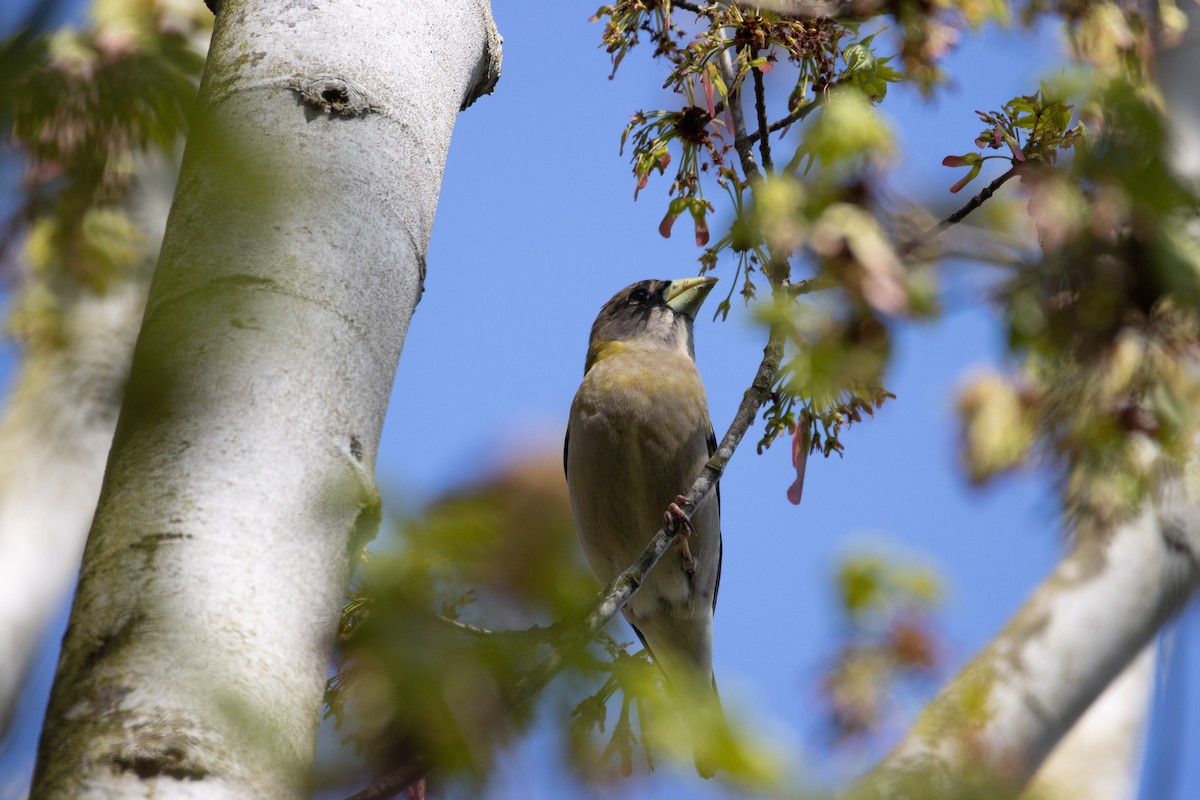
<point>646,376</point>
<point>657,385</point>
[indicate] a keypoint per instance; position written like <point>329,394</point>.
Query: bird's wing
<point>566,445</point>
<point>645,644</point>
<point>712,448</point>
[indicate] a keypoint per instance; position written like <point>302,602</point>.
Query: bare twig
<point>538,633</point>
<point>791,119</point>
<point>760,105</point>
<point>958,216</point>
<point>797,9</point>
<point>816,9</point>
<point>807,286</point>
<point>777,269</point>
<point>462,627</point>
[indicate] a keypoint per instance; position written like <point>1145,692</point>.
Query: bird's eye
<point>639,296</point>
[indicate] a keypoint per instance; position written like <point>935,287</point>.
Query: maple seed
<point>664,227</point>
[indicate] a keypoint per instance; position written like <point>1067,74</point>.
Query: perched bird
<point>638,436</point>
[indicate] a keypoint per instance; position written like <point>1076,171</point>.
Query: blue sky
<point>537,227</point>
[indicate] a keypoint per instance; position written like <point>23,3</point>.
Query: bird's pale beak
<point>685,296</point>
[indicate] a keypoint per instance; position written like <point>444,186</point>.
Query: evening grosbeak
<point>638,436</point>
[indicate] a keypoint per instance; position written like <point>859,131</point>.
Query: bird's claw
<point>681,523</point>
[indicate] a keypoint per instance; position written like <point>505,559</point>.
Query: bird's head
<point>649,314</point>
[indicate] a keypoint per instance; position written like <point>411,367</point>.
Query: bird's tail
<point>715,745</point>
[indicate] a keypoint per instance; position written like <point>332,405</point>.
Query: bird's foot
<point>681,523</point>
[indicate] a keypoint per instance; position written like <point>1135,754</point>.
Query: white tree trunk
<point>240,479</point>
<point>1101,757</point>
<point>55,433</point>
<point>998,720</point>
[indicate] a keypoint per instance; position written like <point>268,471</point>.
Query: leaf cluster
<point>1035,128</point>
<point>1115,262</point>
<point>637,680</point>
<point>1106,318</point>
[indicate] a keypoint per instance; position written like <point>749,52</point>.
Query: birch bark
<point>240,479</point>
<point>1101,757</point>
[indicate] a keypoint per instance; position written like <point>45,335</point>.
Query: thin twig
<point>462,627</point>
<point>958,216</point>
<point>792,9</point>
<point>535,632</point>
<point>760,105</point>
<point>818,9</point>
<point>807,286</point>
<point>777,269</point>
<point>791,119</point>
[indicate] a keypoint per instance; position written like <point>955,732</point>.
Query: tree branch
<point>614,596</point>
<point>396,781</point>
<point>624,586</point>
<point>808,286</point>
<point>692,7</point>
<point>777,269</point>
<point>816,9</point>
<point>796,9</point>
<point>537,633</point>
